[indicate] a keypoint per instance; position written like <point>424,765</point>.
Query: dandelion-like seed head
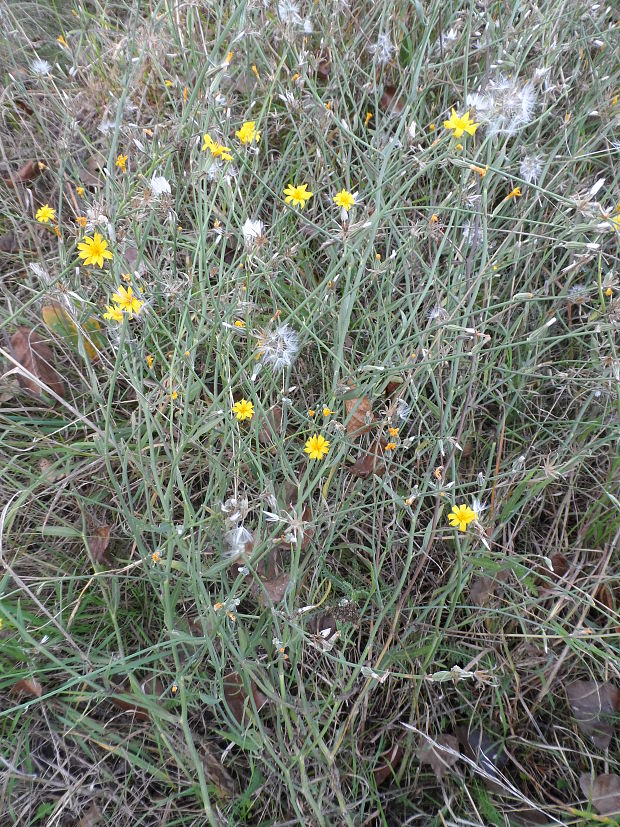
<point>578,294</point>
<point>383,49</point>
<point>437,313</point>
<point>505,106</point>
<point>253,232</point>
<point>530,168</point>
<point>289,13</point>
<point>159,185</point>
<point>41,67</point>
<point>403,410</point>
<point>472,234</point>
<point>238,542</point>
<point>279,347</point>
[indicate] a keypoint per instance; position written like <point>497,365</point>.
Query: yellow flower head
<point>316,447</point>
<point>367,118</point>
<point>127,301</point>
<point>114,313</point>
<point>327,411</point>
<point>80,190</point>
<point>393,431</point>
<point>391,446</point>
<point>149,360</point>
<point>45,214</point>
<point>216,150</point>
<point>460,124</point>
<point>514,193</point>
<point>248,132</point>
<point>297,196</point>
<point>344,199</point>
<point>243,409</point>
<point>80,220</point>
<point>615,219</point>
<point>94,250</point>
<point>121,163</point>
<point>461,516</point>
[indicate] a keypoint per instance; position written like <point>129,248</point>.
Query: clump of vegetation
<point>310,413</point>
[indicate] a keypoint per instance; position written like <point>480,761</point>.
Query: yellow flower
<point>344,199</point>
<point>60,39</point>
<point>127,301</point>
<point>80,191</point>
<point>149,360</point>
<point>94,250</point>
<point>327,411</point>
<point>615,219</point>
<point>391,446</point>
<point>216,150</point>
<point>514,193</point>
<point>481,171</point>
<point>239,323</point>
<point>114,314</point>
<point>156,557</point>
<point>316,447</point>
<point>121,162</point>
<point>311,413</point>
<point>461,516</point>
<point>393,431</point>
<point>80,220</point>
<point>248,133</point>
<point>434,218</point>
<point>367,118</point>
<point>297,196</point>
<point>243,409</point>
<point>460,124</point>
<point>45,214</point>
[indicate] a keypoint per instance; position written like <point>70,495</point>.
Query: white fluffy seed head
<point>279,347</point>
<point>506,105</point>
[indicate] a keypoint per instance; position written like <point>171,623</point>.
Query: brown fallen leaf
<point>29,686</point>
<point>27,172</point>
<point>91,818</point>
<point>359,415</point>
<point>276,587</point>
<point>371,462</point>
<point>388,763</point>
<point>8,243</point>
<point>91,175</point>
<point>480,747</point>
<point>324,66</point>
<point>216,773</point>
<point>98,542</point>
<point>603,792</point>
<point>236,696</point>
<point>484,587</point>
<point>595,707</point>
<point>271,426</point>
<point>392,99</point>
<point>437,756</point>
<point>548,578</point>
<point>481,590</point>
<point>151,686</point>
<point>36,357</point>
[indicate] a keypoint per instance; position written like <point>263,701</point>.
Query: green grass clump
<point>200,623</point>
